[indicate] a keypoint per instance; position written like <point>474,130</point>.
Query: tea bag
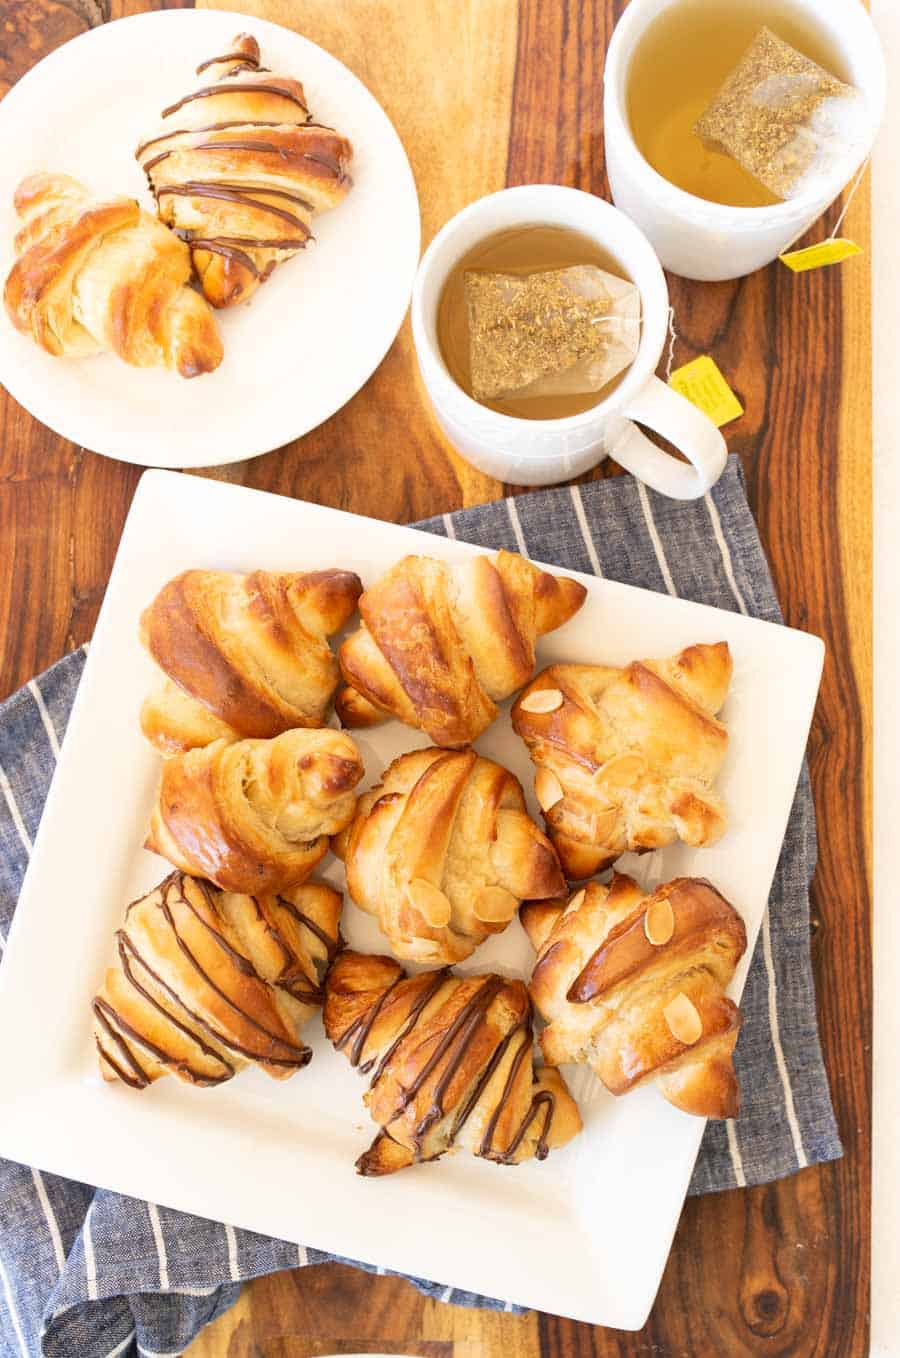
<point>786,120</point>
<point>557,333</point>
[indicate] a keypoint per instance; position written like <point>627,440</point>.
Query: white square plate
<point>586,1233</point>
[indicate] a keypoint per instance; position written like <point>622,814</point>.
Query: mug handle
<point>673,416</point>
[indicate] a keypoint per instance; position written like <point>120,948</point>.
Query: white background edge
<point>886,938</point>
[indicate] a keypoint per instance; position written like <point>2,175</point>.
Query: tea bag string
<point>849,199</point>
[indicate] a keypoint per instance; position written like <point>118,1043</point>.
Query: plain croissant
<point>239,170</point>
<point>256,815</point>
<point>440,645</point>
<point>244,655</point>
<point>207,981</point>
<point>443,851</point>
<point>633,985</point>
<point>627,759</point>
<point>94,275</point>
<point>451,1061</point>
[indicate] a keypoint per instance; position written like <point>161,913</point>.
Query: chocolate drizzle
<point>244,86</point>
<point>242,58</point>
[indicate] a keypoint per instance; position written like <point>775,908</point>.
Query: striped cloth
<point>93,1274</point>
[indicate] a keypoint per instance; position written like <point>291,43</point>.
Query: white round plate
<point>305,342</point>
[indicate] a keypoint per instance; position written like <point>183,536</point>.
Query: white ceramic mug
<point>540,452</point>
<point>692,236</point>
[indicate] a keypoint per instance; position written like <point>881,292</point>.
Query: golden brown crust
<point>633,985</point>
<point>443,851</point>
<point>440,645</point>
<point>248,654</point>
<point>239,170</point>
<point>627,758</point>
<point>94,276</point>
<point>451,1064</point>
<point>256,815</point>
<point>206,981</point>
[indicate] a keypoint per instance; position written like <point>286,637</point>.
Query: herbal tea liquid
<point>519,250</point>
<point>679,65</point>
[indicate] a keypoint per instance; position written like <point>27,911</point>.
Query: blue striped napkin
<point>102,1276</point>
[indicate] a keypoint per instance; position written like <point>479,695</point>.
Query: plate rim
<point>108,441</point>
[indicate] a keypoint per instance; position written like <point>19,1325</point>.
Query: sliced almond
<point>430,902</point>
<point>622,771</point>
<point>495,905</point>
<point>576,901</point>
<point>659,922</point>
<point>684,1022</point>
<point>542,700</point>
<point>547,789</point>
<point>603,823</point>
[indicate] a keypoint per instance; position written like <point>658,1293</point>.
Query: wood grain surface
<point>486,93</point>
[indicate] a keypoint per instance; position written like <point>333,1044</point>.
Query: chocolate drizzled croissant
<point>207,981</point>
<point>633,985</point>
<point>239,169</point>
<point>451,1064</point>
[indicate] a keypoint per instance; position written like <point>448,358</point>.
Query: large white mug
<point>692,236</point>
<point>540,452</point>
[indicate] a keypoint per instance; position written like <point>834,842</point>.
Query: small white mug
<point>541,452</point>
<point>692,236</point>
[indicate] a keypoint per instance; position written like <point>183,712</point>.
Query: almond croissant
<point>451,1061</point>
<point>634,986</point>
<point>244,655</point>
<point>442,852</point>
<point>239,170</point>
<point>256,815</point>
<point>207,981</point>
<point>95,275</point>
<point>440,645</point>
<point>626,759</point>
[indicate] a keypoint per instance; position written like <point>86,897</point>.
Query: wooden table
<point>486,93</point>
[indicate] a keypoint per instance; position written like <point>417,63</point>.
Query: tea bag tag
<point>831,251</point>
<point>701,382</point>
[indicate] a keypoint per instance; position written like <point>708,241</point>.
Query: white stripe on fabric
<point>14,811</point>
<point>578,505</point>
<point>737,1163</point>
<point>121,1347</point>
<point>50,1215</point>
<point>13,1313</point>
<point>449,526</point>
<point>194,1291</point>
<point>446,1294</point>
<point>155,1353</point>
<point>156,1228</point>
<point>2,944</point>
<point>789,1109</point>
<point>783,1073</point>
<point>302,1256</point>
<point>724,552</point>
<point>90,1262</point>
<point>231,1240</point>
<point>655,539</point>
<point>41,706</point>
<point>516,525</point>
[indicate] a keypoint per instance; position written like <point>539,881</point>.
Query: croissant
<point>626,759</point>
<point>239,170</point>
<point>451,1062</point>
<point>442,852</point>
<point>207,981</point>
<point>440,645</point>
<point>633,986</point>
<point>255,815</point>
<point>245,655</point>
<point>99,274</point>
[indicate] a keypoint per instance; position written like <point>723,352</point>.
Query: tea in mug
<point>677,75</point>
<point>538,322</point>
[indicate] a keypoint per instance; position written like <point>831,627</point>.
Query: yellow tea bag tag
<point>701,383</point>
<point>826,252</point>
